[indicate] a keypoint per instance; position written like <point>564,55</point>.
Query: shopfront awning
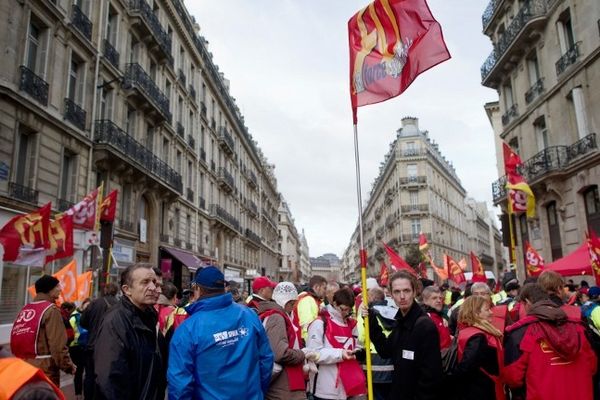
<point>188,259</point>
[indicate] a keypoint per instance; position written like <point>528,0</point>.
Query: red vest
<point>573,312</point>
<point>294,372</point>
<point>25,330</point>
<point>350,372</point>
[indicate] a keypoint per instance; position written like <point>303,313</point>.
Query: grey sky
<point>287,61</point>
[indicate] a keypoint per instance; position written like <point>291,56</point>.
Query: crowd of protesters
<point>143,340</point>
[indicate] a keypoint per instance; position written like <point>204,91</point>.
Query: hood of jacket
<point>210,303</point>
<point>267,305</point>
<point>554,328</point>
<point>385,314</point>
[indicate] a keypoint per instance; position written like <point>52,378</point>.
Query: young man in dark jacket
<point>128,360</point>
<point>413,345</point>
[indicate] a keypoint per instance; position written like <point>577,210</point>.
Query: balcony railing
<point>413,152</point>
<point>415,208</point>
<point>226,140</point>
<point>108,133</point>
<point>191,141</point>
<point>192,92</point>
<point>190,195</point>
<point>252,208</point>
<point>81,22</point>
<point>181,76</point>
<point>511,113</point>
<point>269,219</point>
<point>110,53</point>
<point>151,20</point>
<point>551,159</point>
<point>251,176</point>
<point>536,90</point>
<point>224,217</point>
<point>568,59</point>
<point>24,193</point>
<point>33,85</point>
<point>252,236</point>
<point>491,8</point>
<point>135,76</point>
<point>225,179</point>
<point>413,180</point>
<point>180,130</point>
<point>531,10</point>
<point>63,205</point>
<point>75,114</point>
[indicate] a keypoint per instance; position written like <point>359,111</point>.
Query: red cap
<point>262,282</point>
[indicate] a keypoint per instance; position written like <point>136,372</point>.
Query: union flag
<point>520,196</point>
<point>383,275</point>
<point>85,215</point>
<point>60,238</point>
<point>477,267</point>
<point>25,237</point>
<point>391,43</point>
<point>455,272</point>
<point>108,208</point>
<point>534,263</point>
<point>67,276</point>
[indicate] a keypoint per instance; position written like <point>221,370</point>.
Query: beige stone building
<point>417,190</point>
<point>546,70</point>
<point>289,245</point>
<point>127,93</point>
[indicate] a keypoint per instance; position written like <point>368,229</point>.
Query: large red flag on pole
<point>398,262</point>
<point>85,213</point>
<point>534,263</point>
<point>477,268</point>
<point>455,272</point>
<point>383,275</point>
<point>25,237</point>
<point>391,43</point>
<point>108,208</point>
<point>520,196</point>
<point>60,238</point>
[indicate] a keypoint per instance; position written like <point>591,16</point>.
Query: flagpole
<point>363,266</point>
<point>513,257</point>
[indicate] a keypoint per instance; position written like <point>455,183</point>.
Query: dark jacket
<point>91,317</point>
<point>468,379</point>
<point>414,346</point>
<point>128,361</point>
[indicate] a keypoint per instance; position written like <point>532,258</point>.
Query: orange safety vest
<point>16,373</point>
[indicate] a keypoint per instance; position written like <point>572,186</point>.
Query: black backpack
<point>450,357</point>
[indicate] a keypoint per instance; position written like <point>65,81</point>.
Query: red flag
<point>423,245</point>
<point>520,196</point>
<point>398,262</point>
<point>26,235</point>
<point>477,268</point>
<point>534,263</point>
<point>391,43</point>
<point>594,248</point>
<point>442,273</point>
<point>108,208</point>
<point>84,213</point>
<point>60,238</point>
<point>383,275</point>
<point>455,273</point>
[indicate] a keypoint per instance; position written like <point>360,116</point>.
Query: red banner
<point>26,233</point>
<point>391,43</point>
<point>520,196</point>
<point>534,263</point>
<point>68,281</point>
<point>455,272</point>
<point>383,275</point>
<point>108,208</point>
<point>84,213</point>
<point>398,262</point>
<point>60,238</point>
<point>477,268</point>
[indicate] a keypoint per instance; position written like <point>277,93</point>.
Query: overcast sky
<point>287,62</point>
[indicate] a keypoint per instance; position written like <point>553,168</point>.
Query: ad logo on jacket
<point>228,338</point>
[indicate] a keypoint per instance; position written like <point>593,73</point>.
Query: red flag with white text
<point>391,43</point>
<point>85,215</point>
<point>534,263</point>
<point>520,196</point>
<point>60,238</point>
<point>25,237</point>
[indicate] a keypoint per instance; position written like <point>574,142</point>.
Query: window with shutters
<point>76,80</point>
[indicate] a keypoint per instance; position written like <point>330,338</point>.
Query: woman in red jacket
<point>479,352</point>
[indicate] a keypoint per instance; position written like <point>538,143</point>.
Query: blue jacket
<point>220,352</point>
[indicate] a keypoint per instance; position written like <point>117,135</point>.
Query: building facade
<point>126,93</point>
<point>289,245</point>
<point>305,271</point>
<point>417,190</point>
<point>545,68</point>
<point>327,265</point>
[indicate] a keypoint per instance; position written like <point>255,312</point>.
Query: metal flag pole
<point>363,266</point>
<point>512,255</point>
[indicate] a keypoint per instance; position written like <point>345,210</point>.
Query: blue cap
<point>594,292</point>
<point>210,277</point>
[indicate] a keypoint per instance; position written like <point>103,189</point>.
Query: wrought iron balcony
<point>151,25</point>
<point>33,85</point>
<point>531,11</point>
<point>413,180</point>
<point>192,92</point>
<point>202,202</point>
<point>269,219</point>
<point>226,141</point>
<point>415,208</point>
<point>568,59</point>
<point>129,149</point>
<point>550,160</point>
<point>511,113</point>
<point>23,193</point>
<point>536,90</point>
<point>63,205</point>
<point>190,195</point>
<point>110,53</point>
<point>491,8</point>
<point>226,180</point>
<point>413,152</point>
<point>191,141</point>
<point>74,114</point>
<point>180,130</point>
<point>136,77</point>
<point>219,213</point>
<point>181,77</point>
<point>252,208</point>
<point>251,176</point>
<point>252,236</point>
<point>81,22</point>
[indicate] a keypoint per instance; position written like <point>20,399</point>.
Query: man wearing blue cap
<point>221,351</point>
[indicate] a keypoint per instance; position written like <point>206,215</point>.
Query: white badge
<point>408,355</point>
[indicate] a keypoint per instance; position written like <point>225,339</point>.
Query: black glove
<point>361,355</point>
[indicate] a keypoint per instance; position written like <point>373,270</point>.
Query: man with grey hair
<point>433,305</point>
<point>476,289</point>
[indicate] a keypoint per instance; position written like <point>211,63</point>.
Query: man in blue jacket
<point>221,351</point>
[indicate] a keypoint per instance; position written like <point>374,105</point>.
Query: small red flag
<point>594,248</point>
<point>84,213</point>
<point>398,262</point>
<point>26,233</point>
<point>477,268</point>
<point>60,238</point>
<point>423,245</point>
<point>108,208</point>
<point>391,43</point>
<point>383,275</point>
<point>534,263</point>
<point>455,273</point>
